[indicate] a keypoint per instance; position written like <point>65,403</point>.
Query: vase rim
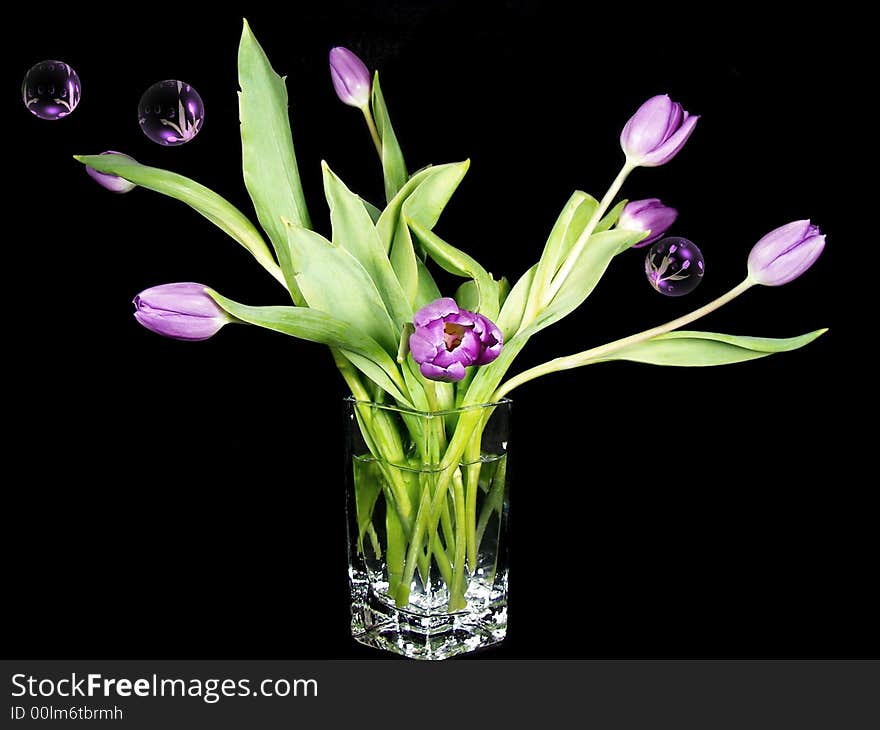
<point>415,411</point>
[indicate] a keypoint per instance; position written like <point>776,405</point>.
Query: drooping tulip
<point>351,78</point>
<point>785,253</point>
<point>113,183</point>
<point>182,311</point>
<point>656,132</point>
<point>647,215</point>
<point>448,339</point>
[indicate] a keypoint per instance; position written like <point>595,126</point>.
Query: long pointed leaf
<point>568,226</point>
<point>705,349</point>
<point>316,326</point>
<point>332,280</point>
<point>269,163</point>
<point>393,166</point>
<point>215,208</point>
<point>457,262</point>
<point>354,231</point>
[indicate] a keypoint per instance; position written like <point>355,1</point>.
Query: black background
<point>170,499</point>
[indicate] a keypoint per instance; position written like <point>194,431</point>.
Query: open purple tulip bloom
<point>785,253</point>
<point>181,311</point>
<point>656,132</point>
<point>351,78</point>
<point>647,215</point>
<point>113,183</point>
<point>448,339</point>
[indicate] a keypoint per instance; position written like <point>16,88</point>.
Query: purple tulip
<point>182,311</point>
<point>448,339</point>
<point>113,183</point>
<point>647,215</point>
<point>784,254</point>
<point>351,78</point>
<point>656,132</point>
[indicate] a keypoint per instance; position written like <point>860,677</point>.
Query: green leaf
<point>589,268</point>
<point>425,204</point>
<point>503,290</point>
<point>386,226</point>
<point>372,211</point>
<point>600,249</point>
<point>422,198</point>
<point>271,174</point>
<point>216,209</point>
<point>354,231</point>
<point>568,227</point>
<point>426,287</point>
<point>316,326</point>
<point>405,262</point>
<point>332,280</point>
<point>704,349</point>
<point>466,296</point>
<point>510,318</point>
<point>611,217</point>
<point>393,166</point>
<point>459,263</point>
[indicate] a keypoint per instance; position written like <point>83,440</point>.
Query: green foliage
<point>703,349</point>
<point>269,164</point>
<point>216,209</point>
<point>393,166</point>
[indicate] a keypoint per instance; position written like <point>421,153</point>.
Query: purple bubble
<point>51,90</point>
<point>674,266</point>
<point>171,113</point>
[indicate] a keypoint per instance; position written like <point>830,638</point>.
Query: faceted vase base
<point>378,623</point>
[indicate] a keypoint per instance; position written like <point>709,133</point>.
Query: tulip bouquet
<point>408,353</point>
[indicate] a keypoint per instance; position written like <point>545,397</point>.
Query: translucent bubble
<point>171,112</point>
<point>51,90</point>
<point>674,266</point>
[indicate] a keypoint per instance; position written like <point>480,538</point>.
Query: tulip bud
<point>351,78</point>
<point>647,215</point>
<point>113,183</point>
<point>656,132</point>
<point>448,339</point>
<point>785,253</point>
<point>181,311</point>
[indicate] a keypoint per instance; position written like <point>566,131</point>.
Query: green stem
<point>495,499</point>
<point>456,590</point>
<point>596,354</point>
<point>472,458</point>
<point>577,249</point>
<point>374,133</point>
<point>428,514</point>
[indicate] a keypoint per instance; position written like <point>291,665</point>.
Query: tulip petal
<point>421,348</point>
<point>777,242</point>
<point>351,78</point>
<point>648,127</point>
<point>670,148</point>
<point>437,309</point>
<point>179,326</point>
<point>791,264</point>
<point>452,374</point>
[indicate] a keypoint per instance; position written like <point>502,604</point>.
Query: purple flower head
<point>181,311</point>
<point>785,253</point>
<point>351,78</point>
<point>113,183</point>
<point>656,132</point>
<point>448,339</point>
<point>647,215</point>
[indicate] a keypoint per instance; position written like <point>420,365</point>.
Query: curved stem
<point>597,353</point>
<point>374,133</point>
<point>577,249</point>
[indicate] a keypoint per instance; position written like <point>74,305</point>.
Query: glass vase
<point>427,504</point>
